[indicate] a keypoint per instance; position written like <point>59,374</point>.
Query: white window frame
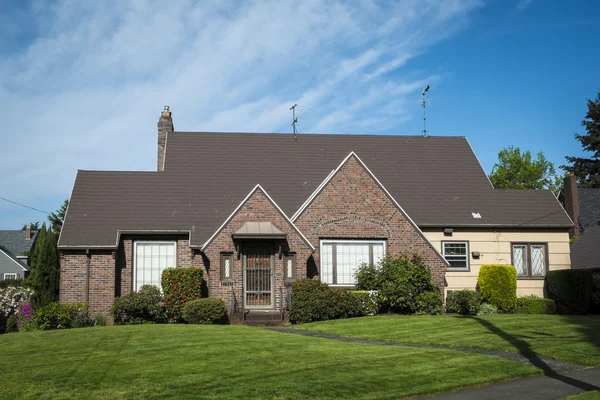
<point>345,241</point>
<point>450,268</point>
<point>147,242</point>
<point>10,276</point>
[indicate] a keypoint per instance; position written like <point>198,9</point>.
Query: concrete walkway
<point>538,388</point>
<point>560,380</point>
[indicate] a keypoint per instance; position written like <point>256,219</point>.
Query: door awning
<point>258,230</point>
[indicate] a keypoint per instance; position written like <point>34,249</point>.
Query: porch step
<point>263,318</point>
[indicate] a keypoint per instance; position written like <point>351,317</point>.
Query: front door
<point>258,276</point>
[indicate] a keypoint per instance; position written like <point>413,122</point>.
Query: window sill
<point>531,278</point>
<point>458,270</point>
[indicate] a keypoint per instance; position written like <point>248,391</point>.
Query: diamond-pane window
<point>529,259</point>
<point>537,260</point>
<point>226,267</point>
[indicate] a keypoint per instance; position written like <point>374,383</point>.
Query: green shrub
<point>140,307</point>
<point>487,309</point>
<point>99,320</point>
<point>498,286</point>
<point>180,285</point>
<point>11,283</point>
<point>464,302</point>
<point>63,316</point>
<point>428,303</point>
<point>571,290</point>
<point>367,277</point>
<point>535,305</point>
<point>315,301</point>
<point>12,324</point>
<point>209,310</point>
<point>401,280</point>
<point>368,300</point>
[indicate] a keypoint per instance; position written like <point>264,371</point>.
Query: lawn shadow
<point>526,351</point>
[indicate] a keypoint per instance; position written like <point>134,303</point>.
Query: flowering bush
<point>179,286</point>
<point>11,297</point>
<point>25,318</point>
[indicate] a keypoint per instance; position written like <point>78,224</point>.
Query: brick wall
<point>353,206</point>
<point>257,208</point>
<point>73,277</point>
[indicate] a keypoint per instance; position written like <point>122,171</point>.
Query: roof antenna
<point>294,120</point>
<point>424,105</point>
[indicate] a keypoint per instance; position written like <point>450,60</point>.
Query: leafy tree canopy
<point>56,218</point>
<point>587,170</point>
<point>516,170</point>
<point>34,226</point>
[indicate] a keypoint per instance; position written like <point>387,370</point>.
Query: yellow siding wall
<point>494,247</point>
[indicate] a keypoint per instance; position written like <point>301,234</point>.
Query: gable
<point>353,204</point>
<point>257,207</point>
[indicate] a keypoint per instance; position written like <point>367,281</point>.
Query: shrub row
<point>316,301</point>
<point>535,305</point>
<point>208,310</point>
<point>63,316</point>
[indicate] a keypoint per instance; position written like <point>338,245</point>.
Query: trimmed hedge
<point>464,302</point>
<point>368,300</point>
<point>140,307</point>
<point>535,305</point>
<point>208,310</point>
<point>315,301</point>
<point>571,289</point>
<point>180,285</point>
<point>498,286</point>
<point>63,316</point>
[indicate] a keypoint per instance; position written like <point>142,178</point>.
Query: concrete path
<point>538,362</point>
<point>560,380</point>
<point>538,388</point>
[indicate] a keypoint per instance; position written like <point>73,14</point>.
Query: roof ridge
<point>325,134</point>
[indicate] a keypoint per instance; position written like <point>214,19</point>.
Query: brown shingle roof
<point>437,180</point>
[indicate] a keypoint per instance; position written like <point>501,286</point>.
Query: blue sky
<point>82,85</point>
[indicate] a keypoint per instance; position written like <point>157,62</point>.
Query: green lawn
<point>570,338</point>
<point>192,361</point>
<point>593,395</point>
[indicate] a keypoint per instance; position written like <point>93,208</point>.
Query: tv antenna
<point>424,105</point>
<point>294,119</point>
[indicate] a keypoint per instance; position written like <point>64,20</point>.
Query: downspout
<point>87,275</point>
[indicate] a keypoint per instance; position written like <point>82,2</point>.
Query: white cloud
<point>86,92</point>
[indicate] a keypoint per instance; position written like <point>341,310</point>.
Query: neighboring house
<point>583,206</point>
<point>15,248</point>
<point>257,211</point>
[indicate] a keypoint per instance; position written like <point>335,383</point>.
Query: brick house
<point>257,211</point>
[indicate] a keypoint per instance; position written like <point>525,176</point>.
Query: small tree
<point>516,170</point>
<point>587,169</point>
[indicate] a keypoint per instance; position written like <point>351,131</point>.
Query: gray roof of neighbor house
<point>15,243</point>
<point>437,180</point>
<point>589,207</point>
<point>585,252</point>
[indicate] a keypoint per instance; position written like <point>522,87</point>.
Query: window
<point>227,267</point>
<point>530,259</point>
<point>289,267</point>
<point>340,258</point>
<point>457,255</point>
<point>151,259</point>
<point>10,276</point>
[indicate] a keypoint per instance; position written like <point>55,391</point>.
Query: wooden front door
<point>258,276</point>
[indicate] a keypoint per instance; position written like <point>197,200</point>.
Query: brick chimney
<point>165,126</point>
<point>571,202</point>
<point>28,232</point>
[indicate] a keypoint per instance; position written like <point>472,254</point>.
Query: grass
<point>574,339</point>
<point>593,395</point>
<point>192,361</point>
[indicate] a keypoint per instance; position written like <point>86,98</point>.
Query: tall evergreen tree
<point>587,170</point>
<point>57,218</point>
<point>44,276</point>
